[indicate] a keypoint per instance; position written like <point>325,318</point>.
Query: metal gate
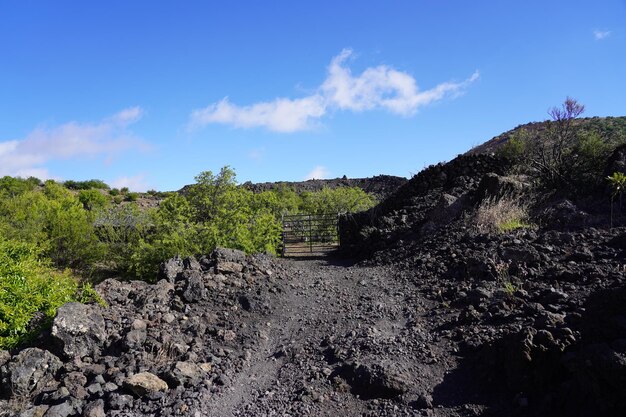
<point>307,234</point>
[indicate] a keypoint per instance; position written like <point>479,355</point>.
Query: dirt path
<point>341,339</point>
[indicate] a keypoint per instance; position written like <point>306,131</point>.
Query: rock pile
<point>534,312</point>
<point>153,342</point>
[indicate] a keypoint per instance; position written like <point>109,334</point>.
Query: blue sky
<point>148,94</point>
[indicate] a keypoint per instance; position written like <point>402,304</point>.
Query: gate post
<point>310,235</point>
<point>282,221</point>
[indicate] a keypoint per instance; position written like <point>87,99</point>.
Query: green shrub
<point>337,200</point>
<point>85,185</point>
<point>516,147</point>
<point>120,228</point>
<point>55,221</point>
<point>29,287</point>
<point>114,191</point>
<point>131,197</point>
<point>93,199</point>
<point>10,186</point>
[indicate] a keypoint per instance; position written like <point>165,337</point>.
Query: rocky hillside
<point>535,311</point>
<point>607,127</point>
<point>380,186</point>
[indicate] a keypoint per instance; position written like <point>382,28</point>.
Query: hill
<point>609,128</point>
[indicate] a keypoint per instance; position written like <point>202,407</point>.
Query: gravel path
<point>342,340</point>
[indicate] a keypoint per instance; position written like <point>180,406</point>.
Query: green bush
<point>337,200</point>
<point>93,199</point>
<point>10,186</point>
<point>85,185</point>
<point>120,228</point>
<point>114,191</point>
<point>28,287</point>
<point>516,146</point>
<point>131,197</point>
<point>55,221</point>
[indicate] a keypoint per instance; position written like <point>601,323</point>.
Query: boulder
<point>185,373</point>
<point>170,269</point>
<point>65,409</point>
<point>496,186</point>
<point>228,267</point>
<point>228,255</point>
<point>145,384</point>
<point>79,330</point>
<point>94,409</point>
<point>30,371</point>
<point>193,288</point>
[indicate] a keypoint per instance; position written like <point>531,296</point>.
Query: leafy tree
<point>337,200</point>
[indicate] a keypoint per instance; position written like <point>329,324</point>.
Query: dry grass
<point>501,215</point>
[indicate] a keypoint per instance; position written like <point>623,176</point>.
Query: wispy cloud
<point>28,156</point>
<point>280,115</point>
<point>601,34</point>
<point>318,173</point>
<point>134,183</point>
<point>380,87</point>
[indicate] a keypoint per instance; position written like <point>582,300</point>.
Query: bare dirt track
<point>341,340</point>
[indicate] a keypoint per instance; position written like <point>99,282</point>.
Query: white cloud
<point>28,156</point>
<point>380,87</point>
<point>318,173</point>
<point>601,34</point>
<point>127,116</point>
<point>281,115</point>
<point>134,183</point>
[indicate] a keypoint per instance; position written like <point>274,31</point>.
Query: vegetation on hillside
<point>564,153</point>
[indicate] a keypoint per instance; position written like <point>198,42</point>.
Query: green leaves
<point>29,286</point>
<point>618,183</point>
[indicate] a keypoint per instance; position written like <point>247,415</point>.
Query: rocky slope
<point>380,186</point>
<point>610,128</point>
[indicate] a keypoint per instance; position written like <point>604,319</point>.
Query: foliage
<point>85,185</point>
<point>93,199</point>
<point>618,185</point>
<point>84,230</point>
<point>551,157</point>
<point>337,200</point>
<point>565,153</point>
<point>28,287</point>
<point>131,197</point>
<point>516,146</point>
<point>120,228</point>
<point>10,186</point>
<point>55,221</point>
